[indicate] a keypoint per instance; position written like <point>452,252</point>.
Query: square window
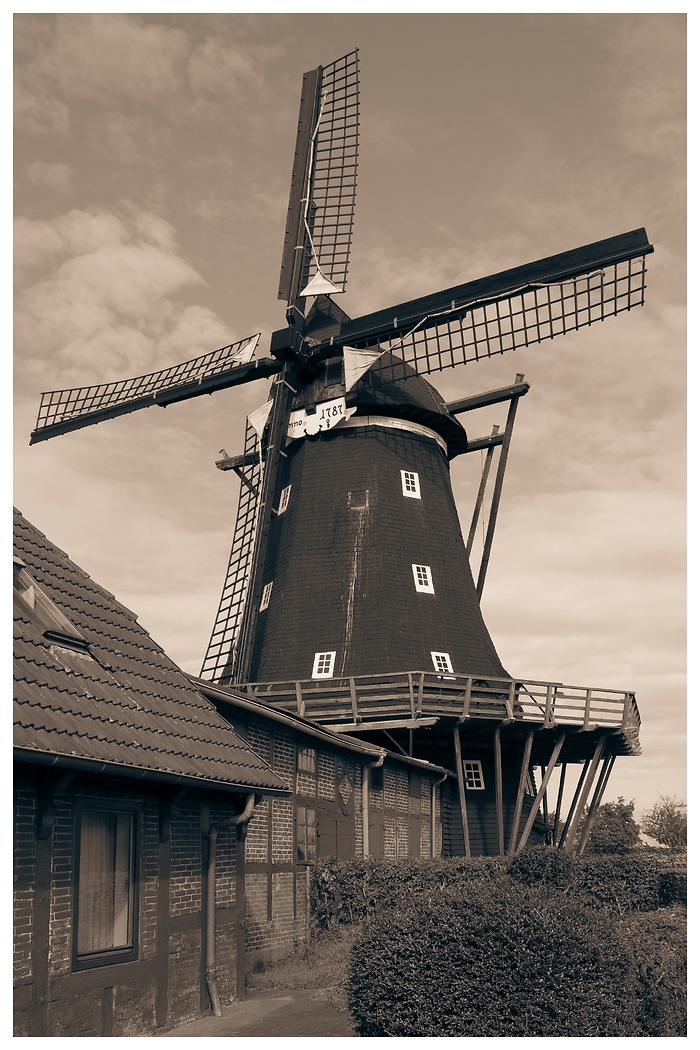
<point>265,600</point>
<point>410,484</point>
<point>473,776</point>
<point>106,902</point>
<point>306,833</point>
<point>306,760</point>
<point>323,665</point>
<point>442,663</point>
<point>284,499</point>
<point>423,579</point>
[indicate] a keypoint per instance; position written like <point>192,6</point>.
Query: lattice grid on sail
<point>59,405</point>
<point>218,661</point>
<point>334,174</point>
<point>464,333</point>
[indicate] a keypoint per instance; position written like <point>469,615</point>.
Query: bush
<point>658,944</point>
<point>500,960</point>
<point>356,890</point>
<point>623,882</point>
<point>542,864</point>
<point>673,888</point>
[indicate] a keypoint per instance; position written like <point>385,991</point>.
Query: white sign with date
<point>326,416</point>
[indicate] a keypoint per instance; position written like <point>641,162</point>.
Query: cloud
<point>56,177</point>
<point>98,59</point>
<point>217,69</point>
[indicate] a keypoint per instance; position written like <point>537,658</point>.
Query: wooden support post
<point>497,489</point>
<point>498,764</point>
<point>605,772</point>
<point>353,699</point>
<point>462,792</point>
<point>557,811</point>
<point>540,794</point>
<point>521,791</point>
<point>577,792</point>
<point>485,470</point>
<point>545,807</point>
<point>569,842</point>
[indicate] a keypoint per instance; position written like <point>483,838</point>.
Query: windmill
<point>349,596</point>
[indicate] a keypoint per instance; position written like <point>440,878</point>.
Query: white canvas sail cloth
<point>356,363</point>
<point>245,354</point>
<point>259,418</point>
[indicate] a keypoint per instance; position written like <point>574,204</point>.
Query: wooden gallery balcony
<point>425,700</point>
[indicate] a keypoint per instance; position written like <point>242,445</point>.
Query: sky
<point>152,161</point>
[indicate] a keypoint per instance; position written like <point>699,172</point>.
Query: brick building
<point>162,847</point>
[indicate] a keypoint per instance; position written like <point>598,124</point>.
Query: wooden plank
<point>496,495</point>
<point>353,699</point>
<point>521,791</point>
<point>498,763</point>
<point>605,772</point>
<point>462,793</point>
<point>577,792</point>
<point>488,397</point>
<point>467,697</point>
<point>486,469</point>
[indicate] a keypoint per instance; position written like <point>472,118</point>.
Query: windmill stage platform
<point>416,700</point>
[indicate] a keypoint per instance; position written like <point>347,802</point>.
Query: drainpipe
<point>241,823</point>
<point>365,802</point>
<point>433,822</point>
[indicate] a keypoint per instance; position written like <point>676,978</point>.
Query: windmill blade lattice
<point>64,410</point>
<point>530,316</point>
<point>324,181</point>
<point>220,654</point>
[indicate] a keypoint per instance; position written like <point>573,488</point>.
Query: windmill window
<point>323,665</point>
<point>106,901</point>
<point>442,663</point>
<point>473,775</point>
<point>284,499</point>
<point>306,833</point>
<point>410,484</point>
<point>265,600</point>
<point>423,579</point>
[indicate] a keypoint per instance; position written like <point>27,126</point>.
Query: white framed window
<point>423,578</point>
<point>284,499</point>
<point>323,665</point>
<point>410,484</point>
<point>442,663</point>
<point>265,600</point>
<point>473,775</point>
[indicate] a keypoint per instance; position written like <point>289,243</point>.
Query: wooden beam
<point>557,811</point>
<point>605,772</point>
<point>572,807</point>
<point>545,807</point>
<point>480,494</point>
<point>489,397</point>
<point>540,794</point>
<point>497,490</point>
<point>462,792</point>
<point>498,765</point>
<point>571,836</point>
<point>521,792</point>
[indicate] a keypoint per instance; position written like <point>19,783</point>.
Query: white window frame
<point>324,664</point>
<point>284,499</point>
<point>440,658</point>
<point>410,484</point>
<point>265,600</point>
<point>423,579</point>
<point>472,771</point>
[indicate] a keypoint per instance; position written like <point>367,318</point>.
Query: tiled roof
<point>123,703</point>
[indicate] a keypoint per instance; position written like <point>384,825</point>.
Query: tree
<point>667,822</point>
<point>613,828</point>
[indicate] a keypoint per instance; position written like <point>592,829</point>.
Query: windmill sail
<point>61,411</point>
<point>324,179</point>
<point>507,311</point>
<point>224,636</point>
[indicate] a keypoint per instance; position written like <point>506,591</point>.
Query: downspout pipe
<point>240,822</point>
<point>365,802</point>
<point>433,815</point>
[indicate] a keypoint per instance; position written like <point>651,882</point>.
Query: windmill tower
<point>349,596</point>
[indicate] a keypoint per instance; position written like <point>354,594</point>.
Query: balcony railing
<point>415,698</point>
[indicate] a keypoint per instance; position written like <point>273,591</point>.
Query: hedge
<point>501,960</point>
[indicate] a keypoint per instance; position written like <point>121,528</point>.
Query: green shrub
<point>499,960</point>
<point>658,944</point>
<point>542,864</point>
